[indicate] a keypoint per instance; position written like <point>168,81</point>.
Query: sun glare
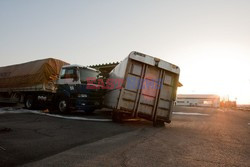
<point>220,71</point>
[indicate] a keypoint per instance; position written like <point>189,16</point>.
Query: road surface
<point>196,137</point>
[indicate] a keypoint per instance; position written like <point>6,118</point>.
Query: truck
<point>50,83</point>
<point>141,86</point>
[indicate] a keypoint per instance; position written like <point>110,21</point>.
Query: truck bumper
<point>86,105</point>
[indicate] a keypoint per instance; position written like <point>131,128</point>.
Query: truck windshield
<point>85,73</point>
<point>68,73</point>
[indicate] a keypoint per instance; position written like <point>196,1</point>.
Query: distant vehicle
<point>141,86</point>
<point>49,83</point>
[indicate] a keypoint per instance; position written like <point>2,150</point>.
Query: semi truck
<point>141,86</point>
<point>50,83</point>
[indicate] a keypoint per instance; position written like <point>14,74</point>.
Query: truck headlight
<point>82,95</point>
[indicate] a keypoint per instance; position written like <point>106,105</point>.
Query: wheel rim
<point>28,103</point>
<point>62,106</point>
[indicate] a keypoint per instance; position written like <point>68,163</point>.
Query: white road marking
<point>2,148</point>
<point>22,111</point>
<point>79,118</point>
<point>189,113</point>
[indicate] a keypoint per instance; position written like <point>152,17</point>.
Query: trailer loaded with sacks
<point>49,83</point>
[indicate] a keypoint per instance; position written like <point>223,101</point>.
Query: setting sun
<point>218,70</point>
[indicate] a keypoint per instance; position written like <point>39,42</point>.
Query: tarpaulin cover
<point>30,73</point>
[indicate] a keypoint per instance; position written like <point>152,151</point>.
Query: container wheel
<point>116,117</point>
<point>29,102</point>
<point>63,105</point>
<point>158,123</point>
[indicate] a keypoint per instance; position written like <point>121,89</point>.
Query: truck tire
<point>29,102</point>
<point>63,105</point>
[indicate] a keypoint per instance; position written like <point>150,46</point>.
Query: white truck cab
<point>75,74</point>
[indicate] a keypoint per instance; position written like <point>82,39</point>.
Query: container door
<point>166,97</point>
<point>131,89</point>
<point>149,92</point>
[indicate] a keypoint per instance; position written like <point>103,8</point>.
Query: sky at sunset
<point>208,39</point>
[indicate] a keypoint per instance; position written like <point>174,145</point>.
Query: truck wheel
<point>63,105</point>
<point>29,102</point>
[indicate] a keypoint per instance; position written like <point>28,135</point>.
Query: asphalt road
<point>214,137</point>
